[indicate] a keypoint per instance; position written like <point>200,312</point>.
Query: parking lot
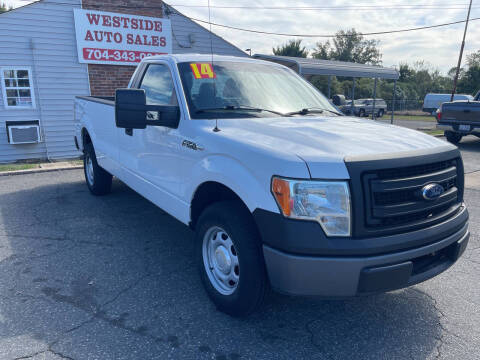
<point>113,277</point>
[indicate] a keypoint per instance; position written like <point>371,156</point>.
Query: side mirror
<point>131,111</point>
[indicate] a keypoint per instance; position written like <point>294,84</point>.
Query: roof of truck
<point>178,58</point>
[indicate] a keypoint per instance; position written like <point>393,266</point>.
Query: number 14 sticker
<point>202,71</point>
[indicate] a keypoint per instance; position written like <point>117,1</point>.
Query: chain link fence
<point>405,105</point>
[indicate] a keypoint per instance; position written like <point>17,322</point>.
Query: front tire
<point>361,112</point>
<point>380,113</point>
<point>453,137</point>
<point>230,258</point>
<point>99,181</point>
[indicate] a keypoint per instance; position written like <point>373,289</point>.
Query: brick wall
<point>104,79</point>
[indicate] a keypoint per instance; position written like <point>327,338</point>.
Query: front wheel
<point>99,181</point>
<point>361,112</point>
<point>453,137</point>
<point>230,258</point>
<point>380,113</point>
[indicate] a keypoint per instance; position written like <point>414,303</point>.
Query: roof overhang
<point>308,67</point>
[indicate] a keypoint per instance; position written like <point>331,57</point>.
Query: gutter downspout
<point>39,100</point>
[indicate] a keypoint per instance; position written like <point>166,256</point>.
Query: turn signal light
<point>281,192</point>
<point>439,115</point>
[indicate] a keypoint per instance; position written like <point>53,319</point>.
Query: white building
<point>41,72</point>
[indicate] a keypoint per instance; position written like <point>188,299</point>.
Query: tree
<point>473,59</point>
<point>349,46</point>
<point>3,8</point>
<point>469,78</point>
<point>291,48</point>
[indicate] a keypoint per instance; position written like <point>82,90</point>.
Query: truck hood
<point>324,142</point>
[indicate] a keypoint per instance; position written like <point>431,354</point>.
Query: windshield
<point>246,89</point>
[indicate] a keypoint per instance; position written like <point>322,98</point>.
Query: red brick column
<point>104,79</point>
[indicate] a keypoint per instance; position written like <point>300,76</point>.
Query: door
<point>149,157</point>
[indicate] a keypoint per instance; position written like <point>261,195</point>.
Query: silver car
<point>364,107</point>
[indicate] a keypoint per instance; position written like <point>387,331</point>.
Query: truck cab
<point>281,189</point>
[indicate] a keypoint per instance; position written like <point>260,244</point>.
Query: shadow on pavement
<point>113,278</point>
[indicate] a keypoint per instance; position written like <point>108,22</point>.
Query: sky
<point>439,47</point>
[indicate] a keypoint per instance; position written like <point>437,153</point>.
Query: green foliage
<point>349,46</point>
<point>291,48</point>
<point>3,7</point>
<point>469,77</point>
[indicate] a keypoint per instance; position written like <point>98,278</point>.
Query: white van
<point>433,101</point>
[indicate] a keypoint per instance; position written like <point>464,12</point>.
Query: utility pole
<point>455,80</point>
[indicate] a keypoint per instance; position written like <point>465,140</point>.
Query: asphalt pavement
<point>113,277</point>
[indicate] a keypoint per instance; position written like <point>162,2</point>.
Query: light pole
<point>455,80</point>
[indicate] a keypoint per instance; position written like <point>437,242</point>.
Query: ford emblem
<point>432,191</point>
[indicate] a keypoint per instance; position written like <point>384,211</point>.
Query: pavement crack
<point>125,290</point>
<point>59,354</point>
<point>31,355</point>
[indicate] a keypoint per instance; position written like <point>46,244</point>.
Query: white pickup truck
<point>281,189</point>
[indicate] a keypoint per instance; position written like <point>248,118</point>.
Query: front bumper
<point>350,275</point>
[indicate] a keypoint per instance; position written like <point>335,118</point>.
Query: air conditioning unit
<point>23,132</point>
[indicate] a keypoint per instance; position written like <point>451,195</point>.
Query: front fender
<point>254,190</point>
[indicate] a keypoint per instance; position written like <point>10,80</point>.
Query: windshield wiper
<point>312,110</point>
<point>238,108</point>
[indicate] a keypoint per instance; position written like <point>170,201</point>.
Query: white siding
<point>42,36</point>
<point>183,29</point>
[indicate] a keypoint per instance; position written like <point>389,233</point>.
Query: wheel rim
<point>220,260</point>
<point>89,169</point>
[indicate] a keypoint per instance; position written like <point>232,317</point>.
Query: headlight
<point>327,202</point>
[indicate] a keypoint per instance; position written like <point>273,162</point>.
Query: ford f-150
<point>281,189</point>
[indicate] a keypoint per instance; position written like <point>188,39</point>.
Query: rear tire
<point>99,181</point>
<point>453,137</point>
<point>230,258</point>
<point>380,113</point>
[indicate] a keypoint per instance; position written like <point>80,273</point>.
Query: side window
<point>17,88</point>
<point>158,85</point>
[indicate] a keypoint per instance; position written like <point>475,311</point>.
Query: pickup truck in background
<point>281,189</point>
<point>459,118</point>
<point>432,102</point>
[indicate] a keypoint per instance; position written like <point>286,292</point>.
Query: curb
<point>39,170</point>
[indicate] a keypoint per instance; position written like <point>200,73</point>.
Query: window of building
<point>17,88</point>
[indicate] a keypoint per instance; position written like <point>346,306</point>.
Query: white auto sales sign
<point>120,39</point>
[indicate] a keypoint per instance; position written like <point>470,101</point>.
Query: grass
<point>35,165</point>
<point>415,118</point>
<point>434,132</point>
<point>15,167</point>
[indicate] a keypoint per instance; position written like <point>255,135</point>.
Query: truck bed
<point>107,100</point>
<point>461,112</point>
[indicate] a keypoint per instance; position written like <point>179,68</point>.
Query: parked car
<point>432,102</point>
<point>364,107</point>
<point>459,118</point>
<point>281,190</point>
